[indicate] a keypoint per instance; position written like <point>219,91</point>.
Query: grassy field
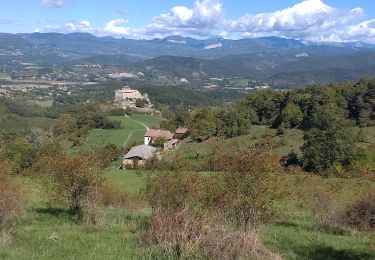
<point>43,122</point>
<point>133,131</point>
<point>44,103</point>
<point>129,180</point>
<point>290,141</point>
<point>47,232</point>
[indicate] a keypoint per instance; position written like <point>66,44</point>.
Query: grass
<point>128,180</point>
<point>48,232</point>
<point>42,122</point>
<point>297,240</point>
<point>290,141</point>
<point>293,234</point>
<point>132,132</point>
<point>44,103</point>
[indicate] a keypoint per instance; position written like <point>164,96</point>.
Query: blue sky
<point>316,20</point>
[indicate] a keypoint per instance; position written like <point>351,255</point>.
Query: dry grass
<point>6,237</point>
<point>10,204</point>
<point>361,214</point>
<point>116,198</point>
<point>184,236</point>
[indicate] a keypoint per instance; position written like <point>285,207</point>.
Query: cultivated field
<point>133,131</point>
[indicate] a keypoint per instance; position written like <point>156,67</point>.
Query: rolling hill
<point>278,62</point>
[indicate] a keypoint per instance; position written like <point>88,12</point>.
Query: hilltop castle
<point>127,97</point>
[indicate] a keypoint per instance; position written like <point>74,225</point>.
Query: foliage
<point>265,103</point>
<point>77,178</point>
<point>159,142</point>
<point>249,181</point>
<point>184,236</point>
<point>231,123</point>
<point>10,196</point>
<point>328,141</point>
<point>175,119</point>
<point>361,213</point>
<point>291,116</point>
<point>140,103</point>
<point>202,123</point>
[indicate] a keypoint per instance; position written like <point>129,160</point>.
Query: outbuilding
<point>139,155</point>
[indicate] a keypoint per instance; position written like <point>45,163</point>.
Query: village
<point>155,140</point>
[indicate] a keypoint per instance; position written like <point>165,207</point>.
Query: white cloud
<point>69,27</point>
<point>308,20</point>
<point>53,3</point>
<point>115,27</point>
<point>364,31</point>
<point>200,20</point>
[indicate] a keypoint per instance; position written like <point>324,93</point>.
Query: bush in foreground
<point>361,214</point>
<point>10,205</point>
<point>184,236</point>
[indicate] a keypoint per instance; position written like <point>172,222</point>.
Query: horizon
<point>196,38</point>
<point>309,20</point>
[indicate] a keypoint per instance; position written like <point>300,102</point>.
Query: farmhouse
<point>152,134</point>
<point>138,155</point>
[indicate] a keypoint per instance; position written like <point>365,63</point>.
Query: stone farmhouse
<point>152,134</point>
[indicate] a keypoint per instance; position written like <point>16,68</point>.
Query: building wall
<point>130,162</point>
<point>124,94</point>
<point>148,140</point>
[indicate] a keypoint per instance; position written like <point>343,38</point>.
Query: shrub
<point>250,182</point>
<point>10,205</point>
<point>78,179</point>
<point>159,142</point>
<point>184,236</point>
<point>327,217</point>
<point>361,214</point>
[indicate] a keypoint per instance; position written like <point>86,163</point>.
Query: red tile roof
<point>153,133</point>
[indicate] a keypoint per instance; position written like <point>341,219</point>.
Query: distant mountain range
<point>278,61</point>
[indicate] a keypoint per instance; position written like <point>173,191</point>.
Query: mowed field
<point>132,132</point>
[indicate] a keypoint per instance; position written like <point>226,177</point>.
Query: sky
<point>311,20</point>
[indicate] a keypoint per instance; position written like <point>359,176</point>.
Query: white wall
<point>147,140</point>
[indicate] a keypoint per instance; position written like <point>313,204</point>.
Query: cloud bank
<point>308,20</point>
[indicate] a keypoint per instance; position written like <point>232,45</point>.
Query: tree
<point>140,103</point>
<point>202,123</point>
<point>159,142</point>
<point>328,141</point>
<point>291,116</point>
<point>78,178</point>
<point>231,123</point>
<point>266,104</point>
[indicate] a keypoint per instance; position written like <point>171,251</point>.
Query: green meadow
<point>132,132</point>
